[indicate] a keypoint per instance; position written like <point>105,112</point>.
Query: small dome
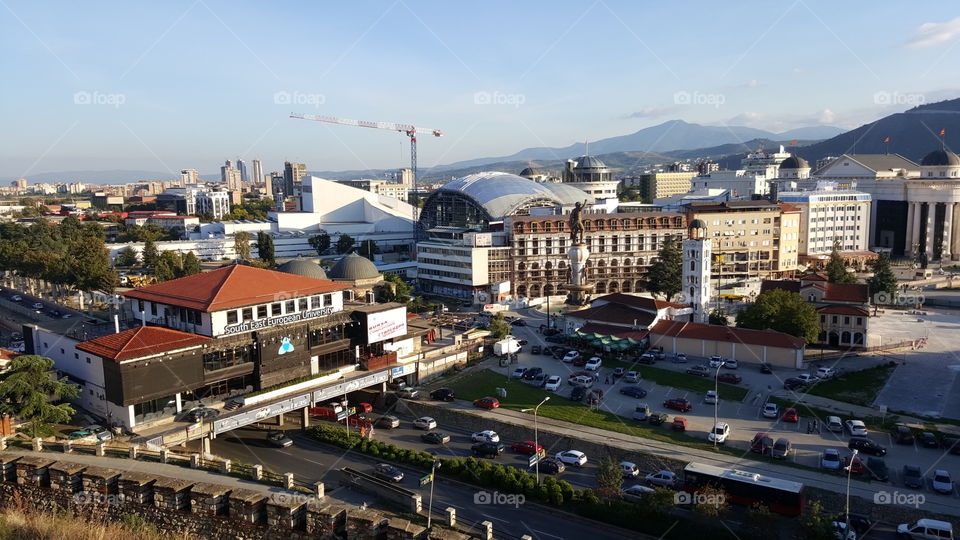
<point>530,171</point>
<point>589,162</point>
<point>940,158</point>
<point>697,224</point>
<point>303,268</point>
<point>794,162</point>
<point>354,267</point>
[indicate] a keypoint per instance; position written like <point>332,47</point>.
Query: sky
<point>162,86</point>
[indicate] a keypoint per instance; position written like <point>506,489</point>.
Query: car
<point>594,364</point>
<point>526,447</point>
<point>388,421</point>
<point>730,378</point>
<point>636,492</point>
<point>731,363</point>
<point>443,394</point>
<point>387,472</point>
<point>790,415</point>
<point>793,383</point>
<point>435,437</point>
<point>678,404</point>
<point>853,464</point>
<point>619,372</point>
<point>840,531</point>
<point>858,522</point>
<point>487,435</point>
<point>629,469</point>
<point>585,381</point>
<point>37,305</point>
<point>662,479</point>
<point>408,393</point>
<point>771,410</point>
<point>902,435</point>
<point>711,397</point>
<point>830,460</point>
<point>701,371</point>
<point>807,378</point>
<point>781,449</point>
<point>580,361</point>
<point>942,483</point>
<point>762,443</point>
<point>716,361</point>
<point>571,356</point>
<point>101,433</point>
<point>551,331</point>
<point>67,316</point>
<point>551,466</point>
<point>519,322</point>
<point>532,373</point>
<point>200,413</point>
<point>16,298</point>
<point>54,313</point>
<point>877,468</point>
<point>647,358</point>
<point>641,412</point>
<point>425,422</point>
<point>553,383</point>
<point>929,440</point>
<point>766,368</point>
<point>578,393</point>
<point>572,457</point>
<point>679,423</point>
<point>720,433</point>
<point>656,419</point>
<point>536,349</point>
<point>279,439</point>
<point>866,446</point>
<point>926,529</point>
<point>834,424</point>
<point>856,428</point>
<point>951,444</point>
<point>632,377</point>
<point>537,381</point>
<point>912,476</point>
<point>80,434</point>
<point>518,372</point>
<point>825,373</point>
<point>487,449</point>
<point>363,408</point>
<point>680,358</point>
<point>487,403</point>
<point>633,391</point>
<point>595,397</point>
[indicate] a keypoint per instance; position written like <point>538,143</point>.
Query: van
<point>926,529</point>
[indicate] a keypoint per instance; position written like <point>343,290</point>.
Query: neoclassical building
<point>933,219</point>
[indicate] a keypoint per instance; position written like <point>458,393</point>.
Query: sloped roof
<point>883,162</point>
<point>610,330</point>
<point>140,341</point>
<point>789,285</point>
<point>615,314</point>
<point>232,286</point>
<point>847,292</point>
<point>641,302</point>
<point>844,310</point>
<point>713,332</point>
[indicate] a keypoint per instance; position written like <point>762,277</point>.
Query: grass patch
<point>857,387</point>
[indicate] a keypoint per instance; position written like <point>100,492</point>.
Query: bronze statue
<point>576,223</point>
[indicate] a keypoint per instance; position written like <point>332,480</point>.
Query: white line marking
<point>496,518</point>
<point>541,533</point>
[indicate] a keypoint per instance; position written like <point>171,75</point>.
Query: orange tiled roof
<point>844,310</point>
<point>713,332</point>
<point>140,341</point>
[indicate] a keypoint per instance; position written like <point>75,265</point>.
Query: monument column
<point>915,237</point>
<point>908,239</point>
<point>955,234</point>
<point>928,229</point>
<point>947,232</point>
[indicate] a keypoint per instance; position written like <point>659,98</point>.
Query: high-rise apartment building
<point>257,172</point>
<point>292,173</point>
<point>189,176</point>
<point>242,167</point>
<point>230,176</point>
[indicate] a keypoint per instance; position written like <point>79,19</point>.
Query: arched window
<point>693,266</point>
<point>858,338</point>
<point>845,337</point>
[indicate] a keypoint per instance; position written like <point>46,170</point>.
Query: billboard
<point>386,324</point>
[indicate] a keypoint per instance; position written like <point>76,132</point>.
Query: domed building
<point>359,273</point>
<point>940,163</point>
<point>795,168</point>
<point>592,176</point>
<point>303,268</point>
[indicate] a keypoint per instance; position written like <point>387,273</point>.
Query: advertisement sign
<point>386,324</point>
<point>338,390</point>
<point>274,321</point>
<point>267,411</point>
<point>501,288</point>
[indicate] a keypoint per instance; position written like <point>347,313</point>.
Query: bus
<point>781,496</point>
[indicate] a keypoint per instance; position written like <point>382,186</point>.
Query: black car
<point>766,368</point>
<point>435,437</point>
<point>902,435</point>
<point>443,394</point>
<point>536,349</point>
<point>655,419</point>
<point>519,322</point>
<point>532,373</point>
<point>201,414</point>
<point>578,393</point>
<point>866,446</point>
<point>929,440</point>
<point>633,391</point>
<point>877,469</point>
<point>860,523</point>
<point>552,466</point>
<point>912,476</point>
<point>388,472</point>
<point>952,445</point>
<point>793,383</point>
<point>487,449</point>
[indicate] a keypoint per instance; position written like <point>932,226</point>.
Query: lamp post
<point>716,402</point>
<point>433,480</point>
<point>849,469</point>
<point>536,436</point>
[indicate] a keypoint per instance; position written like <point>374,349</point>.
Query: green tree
<point>711,502</point>
<point>661,501</point>
<point>816,524</point>
<point>167,266</point>
<point>760,520</point>
<point>394,290</point>
<point>783,311</point>
<point>836,269</point>
<point>609,478</point>
<point>150,254</point>
<point>498,327</point>
<point>89,261</point>
<point>345,243</point>
<point>665,275</point>
<point>265,248</point>
<point>718,316</point>
<point>320,242</point>
<point>127,257</point>
<point>883,280</point>
<point>368,248</point>
<point>191,265</point>
<point>31,393</point>
<point>241,244</point>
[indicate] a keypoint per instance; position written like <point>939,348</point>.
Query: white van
<point>926,529</point>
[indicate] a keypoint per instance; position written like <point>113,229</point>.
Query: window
<point>232,317</point>
<point>275,309</point>
<point>846,320</point>
<point>859,321</point>
<point>302,303</point>
<point>153,308</point>
<point>76,356</point>
<point>247,314</point>
<point>88,359</point>
<point>261,312</point>
<point>139,305</point>
<point>62,351</point>
<point>834,319</point>
<point>328,300</point>
<point>290,306</point>
<point>316,302</point>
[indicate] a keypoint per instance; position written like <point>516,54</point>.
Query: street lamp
<point>716,400</point>
<point>433,480</point>
<point>536,436</point>
<point>849,470</point>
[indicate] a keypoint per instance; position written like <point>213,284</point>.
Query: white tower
<point>697,254</point>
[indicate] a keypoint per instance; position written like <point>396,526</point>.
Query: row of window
<point>275,309</point>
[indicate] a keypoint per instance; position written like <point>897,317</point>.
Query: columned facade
<point>933,221</point>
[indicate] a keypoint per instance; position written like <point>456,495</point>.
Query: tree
<point>661,501</point>
<point>241,244</point>
<point>760,520</point>
<point>883,284</point>
<point>320,242</point>
<point>665,275</point>
<point>127,257</point>
<point>497,327</point>
<point>265,248</point>
<point>609,478</point>
<point>837,269</point>
<point>167,265</point>
<point>718,316</point>
<point>816,524</point>
<point>783,311</point>
<point>190,265</point>
<point>394,290</point>
<point>30,393</point>
<point>345,243</point>
<point>150,254</point>
<point>711,502</point>
<point>368,248</point>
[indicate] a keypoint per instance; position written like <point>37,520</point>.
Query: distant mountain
<point>816,133</point>
<point>96,177</point>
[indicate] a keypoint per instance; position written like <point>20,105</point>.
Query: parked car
<point>425,422</point>
<point>580,361</point>
<point>866,446</point>
<point>678,404</point>
<point>902,435</point>
<point>716,361</point>
<point>929,440</point>
<point>551,466</point>
<point>771,410</point>
<point>766,368</point>
<point>408,393</point>
<point>595,397</point>
<point>636,492</point>
<point>619,372</point>
<point>858,522</point>
<point>647,358</point>
<point>942,483</point>
<point>731,363</point>
<point>781,449</point>
<point>856,428</point>
<point>80,434</point>
<point>518,372</point>
<point>662,478</point>
<point>680,358</point>
<point>435,437</point>
<point>912,476</point>
<point>487,435</point>
<point>572,457</point>
<point>830,460</point>
<point>100,432</point>
<point>585,381</point>
<point>656,419</point>
<point>553,383</point>
<point>877,468</point>
<point>641,412</point>
<point>518,322</point>
<point>632,377</point>
<point>720,433</point>
<point>853,464</point>
<point>443,394</point>
<point>834,424</point>
<point>633,391</point>
<point>593,364</point>
<point>16,298</point>
<point>629,469</point>
<point>793,383</point>
<point>762,443</point>
<point>571,356</point>
<point>791,415</point>
<point>487,403</point>
<point>532,373</point>
<point>840,531</point>
<point>825,372</point>
<point>701,371</point>
<point>536,349</point>
<point>951,444</point>
<point>711,397</point>
<point>487,449</point>
<point>526,447</point>
<point>730,378</point>
<point>388,421</point>
<point>679,423</point>
<point>578,393</point>
<point>926,529</point>
<point>279,439</point>
<point>200,413</point>
<point>806,378</point>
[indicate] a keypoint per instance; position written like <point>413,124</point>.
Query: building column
<point>908,241</point>
<point>871,228</point>
<point>915,232</point>
<point>955,234</point>
<point>947,232</point>
<point>928,229</point>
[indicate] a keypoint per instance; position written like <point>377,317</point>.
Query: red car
<point>364,407</point>
<point>487,403</point>
<point>731,378</point>
<point>790,415</point>
<point>856,467</point>
<point>580,361</point>
<point>526,447</point>
<point>762,443</point>
<point>678,404</point>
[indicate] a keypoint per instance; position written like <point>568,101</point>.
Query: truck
<point>506,346</point>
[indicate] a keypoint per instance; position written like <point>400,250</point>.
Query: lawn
<point>679,379</point>
<point>857,387</point>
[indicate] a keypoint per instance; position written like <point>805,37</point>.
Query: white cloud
<point>930,34</point>
<point>749,119</point>
<point>827,117</point>
<point>651,112</point>
<point>752,84</point>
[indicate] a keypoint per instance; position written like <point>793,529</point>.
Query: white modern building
<point>829,215</point>
<point>741,183</point>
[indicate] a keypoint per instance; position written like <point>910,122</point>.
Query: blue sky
<point>168,85</point>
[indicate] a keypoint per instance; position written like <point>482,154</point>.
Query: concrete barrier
<point>409,501</point>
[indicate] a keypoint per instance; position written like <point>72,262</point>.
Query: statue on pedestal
<point>576,223</point>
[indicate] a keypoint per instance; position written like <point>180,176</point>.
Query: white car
<point>770,410</point>
<point>831,460</point>
<point>806,378</point>
<point>553,383</point>
<point>662,479</point>
<point>711,397</point>
<point>571,356</point>
<point>856,428</point>
<point>716,361</point>
<point>485,436</point>
<point>518,372</point>
<point>942,483</point>
<point>573,457</point>
<point>632,377</point>
<point>681,357</point>
<point>720,433</point>
<point>425,422</point>
<point>629,469</point>
<point>834,424</point>
<point>593,364</point>
<point>825,372</point>
<point>839,527</point>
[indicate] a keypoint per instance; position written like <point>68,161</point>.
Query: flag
<point>943,132</point>
<point>887,139</point>
<point>793,142</point>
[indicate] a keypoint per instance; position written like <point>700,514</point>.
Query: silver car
<point>942,483</point>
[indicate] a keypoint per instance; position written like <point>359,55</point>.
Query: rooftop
<point>713,332</point>
<point>140,341</point>
<point>642,302</point>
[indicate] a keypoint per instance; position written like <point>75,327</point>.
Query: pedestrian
<point>606,380</point>
<point>363,505</point>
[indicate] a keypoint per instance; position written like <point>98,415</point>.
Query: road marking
<point>541,533</point>
<point>496,518</point>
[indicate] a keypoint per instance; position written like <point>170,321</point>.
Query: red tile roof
<point>609,330</point>
<point>712,332</point>
<point>233,286</point>
<point>7,354</point>
<point>784,284</point>
<point>642,302</point>
<point>814,277</point>
<point>614,313</point>
<point>140,341</point>
<point>844,310</point>
<point>847,292</point>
